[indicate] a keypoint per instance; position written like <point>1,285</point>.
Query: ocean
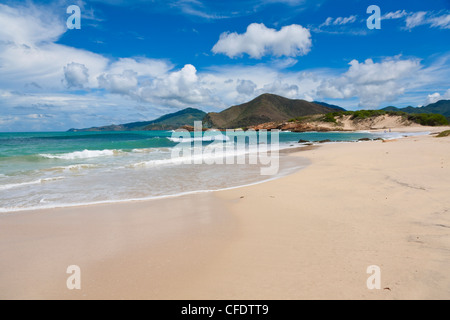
<point>50,170</point>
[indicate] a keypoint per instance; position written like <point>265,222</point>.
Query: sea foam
<point>206,138</point>
<point>75,167</point>
<point>23,184</point>
<point>86,154</point>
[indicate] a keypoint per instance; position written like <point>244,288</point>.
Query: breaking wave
<point>18,185</point>
<point>86,154</point>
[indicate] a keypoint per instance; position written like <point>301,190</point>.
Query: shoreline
<point>287,150</point>
<point>273,240</point>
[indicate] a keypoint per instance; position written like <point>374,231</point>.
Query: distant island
<point>171,121</point>
<point>270,111</point>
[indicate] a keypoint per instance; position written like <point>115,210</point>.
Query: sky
<point>136,60</point>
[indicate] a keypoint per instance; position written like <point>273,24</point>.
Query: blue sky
<point>137,60</point>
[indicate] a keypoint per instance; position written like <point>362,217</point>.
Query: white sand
<point>306,236</point>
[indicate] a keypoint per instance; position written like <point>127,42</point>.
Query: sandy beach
<point>310,235</point>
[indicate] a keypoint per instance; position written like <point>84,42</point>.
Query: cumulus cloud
<point>29,53</point>
<point>142,66</point>
<point>435,97</point>
<point>259,41</point>
<point>373,83</point>
<point>281,88</point>
<point>122,83</point>
<point>36,73</point>
<point>177,89</point>
<point>76,75</point>
<point>246,87</point>
<point>31,59</point>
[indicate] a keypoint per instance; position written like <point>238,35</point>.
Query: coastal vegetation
<point>444,134</point>
<point>270,111</point>
<point>440,107</point>
<point>424,119</point>
<point>263,109</point>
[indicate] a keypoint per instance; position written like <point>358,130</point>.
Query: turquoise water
<point>46,170</point>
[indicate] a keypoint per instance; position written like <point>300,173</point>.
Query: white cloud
<point>338,21</point>
<point>442,22</point>
<point>259,41</point>
<point>177,89</point>
<point>76,75</point>
<point>395,15</point>
<point>372,83</point>
<point>29,54</point>
<point>344,20</point>
<point>327,22</point>
<point>44,64</point>
<point>38,77</point>
<point>142,66</point>
<point>435,97</point>
<point>433,20</point>
<point>281,88</point>
<point>227,83</point>
<point>122,83</point>
<point>341,25</point>
<point>246,87</point>
<point>415,19</point>
<point>29,25</point>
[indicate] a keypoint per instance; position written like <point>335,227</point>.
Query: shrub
<point>426,119</point>
<point>444,134</point>
<point>329,117</point>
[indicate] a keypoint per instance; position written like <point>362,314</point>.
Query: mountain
<point>331,106</point>
<point>263,109</point>
<point>440,107</point>
<point>171,121</point>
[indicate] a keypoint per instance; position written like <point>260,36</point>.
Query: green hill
<point>171,121</point>
<point>263,109</point>
<point>440,107</point>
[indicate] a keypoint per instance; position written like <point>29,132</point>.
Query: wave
<point>151,150</point>
<point>45,204</point>
<point>209,155</point>
<point>86,154</point>
<point>23,184</point>
<point>75,167</point>
<point>399,135</point>
<point>220,137</point>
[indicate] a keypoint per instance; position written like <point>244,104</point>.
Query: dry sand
<point>307,236</point>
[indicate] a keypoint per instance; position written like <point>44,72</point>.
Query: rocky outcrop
<point>297,126</point>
